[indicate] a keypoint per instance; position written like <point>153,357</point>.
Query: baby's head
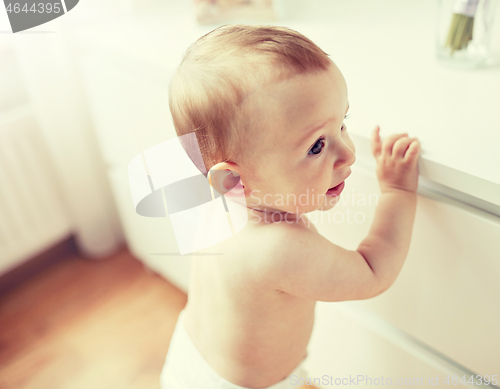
<point>268,104</point>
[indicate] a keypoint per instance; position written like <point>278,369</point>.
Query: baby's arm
<point>303,263</point>
<point>386,246</point>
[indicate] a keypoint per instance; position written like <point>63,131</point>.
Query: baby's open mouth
<point>335,191</point>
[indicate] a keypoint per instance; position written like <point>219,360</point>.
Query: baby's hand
<point>397,158</point>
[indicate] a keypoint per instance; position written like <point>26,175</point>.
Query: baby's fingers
<point>413,151</point>
<point>375,142</point>
<point>400,146</point>
<point>389,143</point>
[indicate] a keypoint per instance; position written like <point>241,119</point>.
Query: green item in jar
<point>460,32</point>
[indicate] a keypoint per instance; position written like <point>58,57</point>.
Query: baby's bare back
<point>251,333</point>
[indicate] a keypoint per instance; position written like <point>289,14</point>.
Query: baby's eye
<point>344,126</point>
<point>318,146</point>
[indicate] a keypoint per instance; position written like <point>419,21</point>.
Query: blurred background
<point>90,288</point>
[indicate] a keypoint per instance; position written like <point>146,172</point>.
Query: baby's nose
<point>346,157</point>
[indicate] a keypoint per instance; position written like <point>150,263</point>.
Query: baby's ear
<point>222,178</point>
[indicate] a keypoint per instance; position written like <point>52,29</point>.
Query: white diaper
<point>186,368</point>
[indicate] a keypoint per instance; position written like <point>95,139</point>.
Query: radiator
<point>32,216</point>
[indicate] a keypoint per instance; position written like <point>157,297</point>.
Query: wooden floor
<point>88,324</point>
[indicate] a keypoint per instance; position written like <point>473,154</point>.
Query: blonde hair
<point>219,70</point>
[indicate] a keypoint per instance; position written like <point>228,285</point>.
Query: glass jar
<point>464,32</point>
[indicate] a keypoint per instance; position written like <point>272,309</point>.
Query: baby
<point>268,106</point>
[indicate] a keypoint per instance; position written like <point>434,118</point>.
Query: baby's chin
<point>323,207</point>
<point>329,203</point>
<point>323,203</point>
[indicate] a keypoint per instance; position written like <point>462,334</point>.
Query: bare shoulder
<point>296,259</point>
